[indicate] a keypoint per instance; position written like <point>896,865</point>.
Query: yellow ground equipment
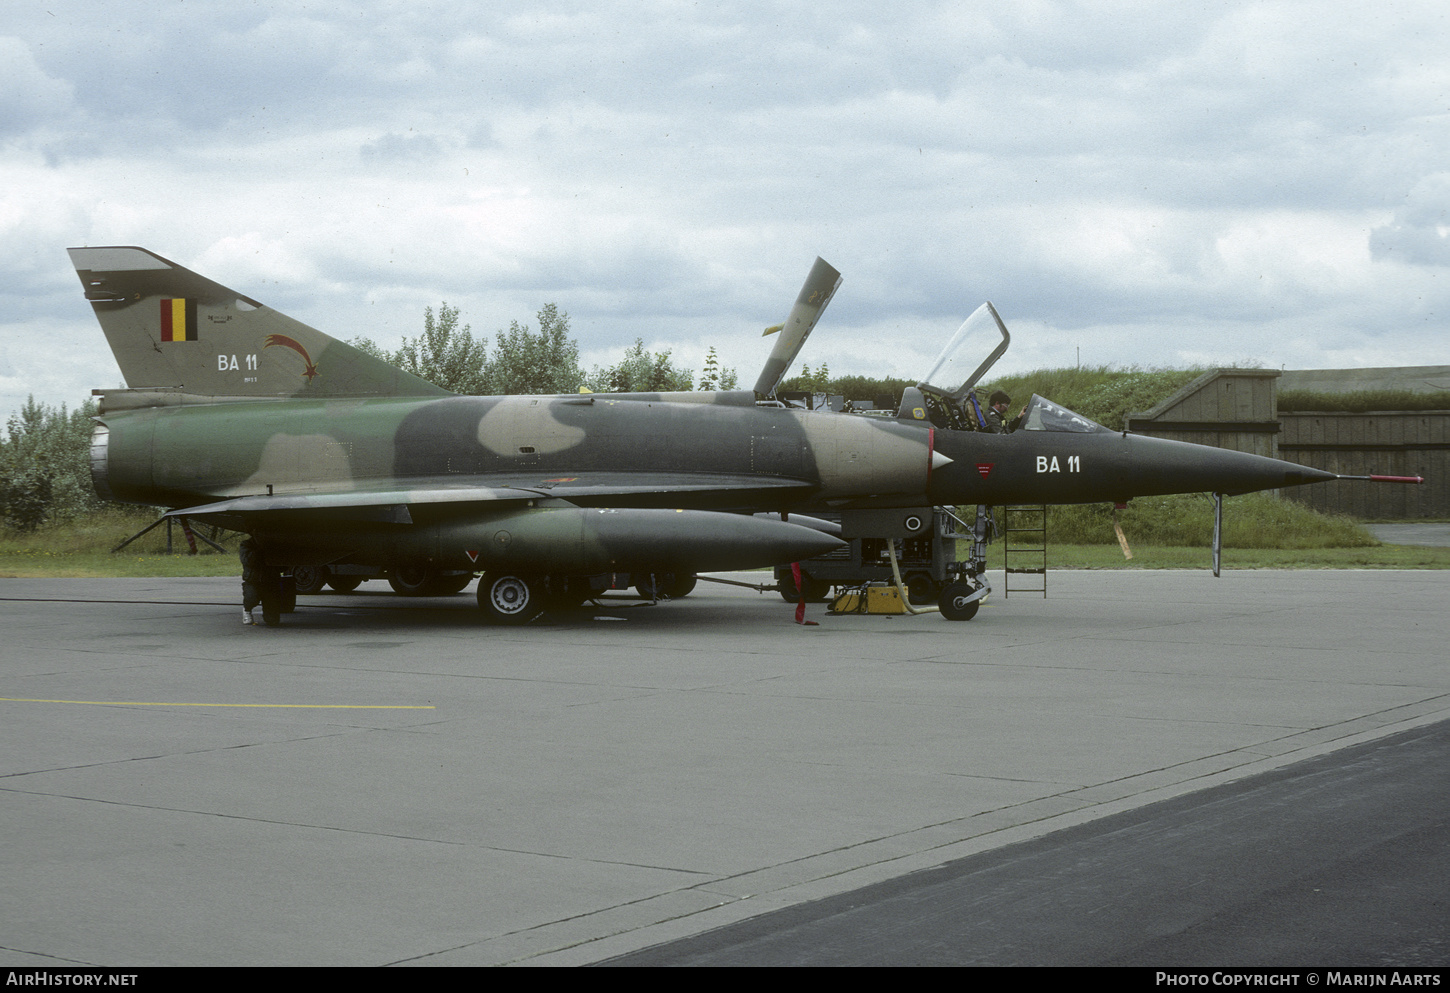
<point>873,598</point>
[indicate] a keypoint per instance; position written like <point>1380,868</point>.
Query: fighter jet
<point>328,457</point>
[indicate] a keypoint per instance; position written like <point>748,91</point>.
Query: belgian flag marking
<point>178,320</point>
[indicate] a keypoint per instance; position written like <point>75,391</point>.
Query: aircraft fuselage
<point>801,460</point>
<point>186,455</point>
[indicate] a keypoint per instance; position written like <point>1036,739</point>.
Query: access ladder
<point>1031,523</point>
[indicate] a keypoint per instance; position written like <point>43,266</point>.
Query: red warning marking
<point>985,468</point>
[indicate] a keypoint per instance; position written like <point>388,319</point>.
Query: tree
<point>523,361</point>
<point>712,377</point>
<point>445,355</point>
<point>812,382</point>
<point>374,349</point>
<point>641,372</point>
<point>542,362</point>
<point>867,388</point>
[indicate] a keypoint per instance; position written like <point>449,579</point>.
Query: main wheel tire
<point>506,598</point>
<point>344,584</point>
<point>954,604</point>
<point>310,579</point>
<point>411,580</point>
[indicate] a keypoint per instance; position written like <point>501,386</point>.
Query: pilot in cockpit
<point>996,415</point>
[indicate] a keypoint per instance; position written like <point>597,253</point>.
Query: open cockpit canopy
<point>950,383</point>
<point>953,374</point>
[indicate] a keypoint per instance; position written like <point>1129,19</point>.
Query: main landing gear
<point>512,598</point>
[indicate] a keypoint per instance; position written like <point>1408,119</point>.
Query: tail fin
<point>172,329</point>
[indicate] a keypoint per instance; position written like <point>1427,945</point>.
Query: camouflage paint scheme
<point>240,415</point>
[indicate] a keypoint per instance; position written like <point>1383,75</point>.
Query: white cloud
<point>1268,175</point>
<point>29,97</point>
<point>1419,234</point>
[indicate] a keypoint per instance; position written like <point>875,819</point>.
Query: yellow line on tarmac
<point>298,706</point>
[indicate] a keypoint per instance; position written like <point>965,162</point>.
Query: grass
<point>1359,401</point>
<point>1181,557</point>
<point>1258,520</point>
<point>82,548</point>
<point>1261,531</point>
<point>101,565</point>
<point>76,565</point>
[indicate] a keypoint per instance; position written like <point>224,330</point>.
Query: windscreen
<point>1044,415</point>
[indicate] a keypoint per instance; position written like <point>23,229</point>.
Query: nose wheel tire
<point>954,603</point>
<point>511,599</point>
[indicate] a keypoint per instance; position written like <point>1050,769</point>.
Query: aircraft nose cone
<point>1234,472</point>
<point>1298,475</point>
<point>1060,467</point>
<point>1186,468</point>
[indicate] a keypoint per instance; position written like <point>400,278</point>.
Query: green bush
<point>45,465</point>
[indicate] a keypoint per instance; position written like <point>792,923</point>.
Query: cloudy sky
<point>1140,183</point>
